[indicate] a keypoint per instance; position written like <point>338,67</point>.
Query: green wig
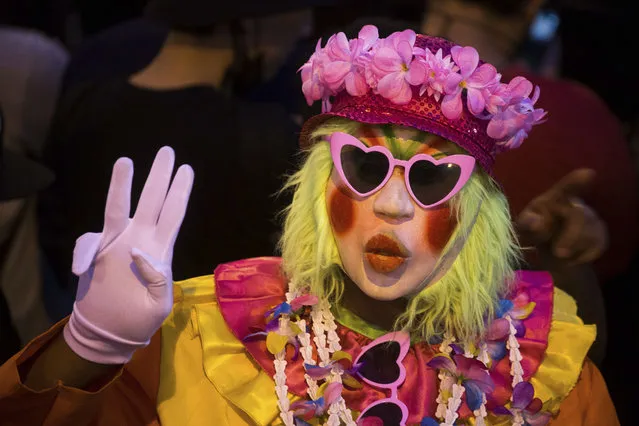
<point>460,302</point>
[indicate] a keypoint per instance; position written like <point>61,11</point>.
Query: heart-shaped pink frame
<point>465,162</point>
<point>403,339</point>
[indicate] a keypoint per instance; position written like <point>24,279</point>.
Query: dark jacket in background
<point>238,150</point>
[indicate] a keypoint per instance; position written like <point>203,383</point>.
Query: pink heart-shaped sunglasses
<point>365,170</point>
<point>380,365</point>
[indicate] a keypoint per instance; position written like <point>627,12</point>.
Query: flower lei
<point>500,339</point>
<point>324,328</point>
<point>461,370</point>
<point>393,66</point>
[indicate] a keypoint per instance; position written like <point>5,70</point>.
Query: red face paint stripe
<point>440,225</point>
<point>341,211</point>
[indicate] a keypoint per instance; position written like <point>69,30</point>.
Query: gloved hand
<point>125,290</point>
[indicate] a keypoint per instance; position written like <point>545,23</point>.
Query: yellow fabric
<point>207,377</point>
<point>568,343</point>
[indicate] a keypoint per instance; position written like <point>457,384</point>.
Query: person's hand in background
<point>561,226</point>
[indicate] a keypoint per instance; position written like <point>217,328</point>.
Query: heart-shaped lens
<point>379,363</point>
<point>430,182</point>
<point>364,171</point>
<point>389,413</point>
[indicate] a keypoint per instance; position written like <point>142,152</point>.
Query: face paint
<point>440,224</point>
<point>368,231</point>
<point>370,136</point>
<point>341,210</point>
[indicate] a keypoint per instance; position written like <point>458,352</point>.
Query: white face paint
<point>387,243</point>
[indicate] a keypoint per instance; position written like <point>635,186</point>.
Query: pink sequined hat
<point>422,82</point>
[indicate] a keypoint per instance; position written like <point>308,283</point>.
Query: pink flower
<point>311,72</point>
<point>519,88</point>
<point>393,39</point>
<point>497,98</point>
<point>511,126</point>
<point>345,68</point>
<point>472,78</point>
<point>304,300</point>
<point>500,96</point>
<point>437,71</point>
<point>393,64</point>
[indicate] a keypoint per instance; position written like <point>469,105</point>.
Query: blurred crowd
<point>85,82</point>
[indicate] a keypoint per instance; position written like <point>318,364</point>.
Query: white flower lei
<point>516,370</point>
<point>281,390</point>
<point>447,408</point>
<point>446,380</point>
<point>327,342</point>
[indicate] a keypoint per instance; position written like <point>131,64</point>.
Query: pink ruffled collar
<point>248,288</point>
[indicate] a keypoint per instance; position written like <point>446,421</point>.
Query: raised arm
<point>124,294</point>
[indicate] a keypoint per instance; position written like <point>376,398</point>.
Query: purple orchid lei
<point>393,66</point>
<point>467,368</point>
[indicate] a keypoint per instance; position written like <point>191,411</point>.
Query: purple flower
<point>275,341</point>
<point>499,96</point>
<point>309,409</point>
<point>511,126</point>
<point>345,68</point>
<point>471,78</point>
<point>519,88</point>
<point>526,405</point>
<point>318,373</point>
<point>396,69</point>
<point>470,372</point>
<point>495,338</point>
<point>342,361</point>
<point>498,331</point>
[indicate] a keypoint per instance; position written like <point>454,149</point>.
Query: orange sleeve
<point>128,399</point>
<point>589,403</point>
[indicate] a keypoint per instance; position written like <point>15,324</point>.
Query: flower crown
<point>396,69</point>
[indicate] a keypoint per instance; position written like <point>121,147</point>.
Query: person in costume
<point>396,300</point>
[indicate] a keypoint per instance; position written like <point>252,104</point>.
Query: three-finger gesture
<point>125,289</point>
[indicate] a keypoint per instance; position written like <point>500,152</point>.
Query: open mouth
<point>385,253</point>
